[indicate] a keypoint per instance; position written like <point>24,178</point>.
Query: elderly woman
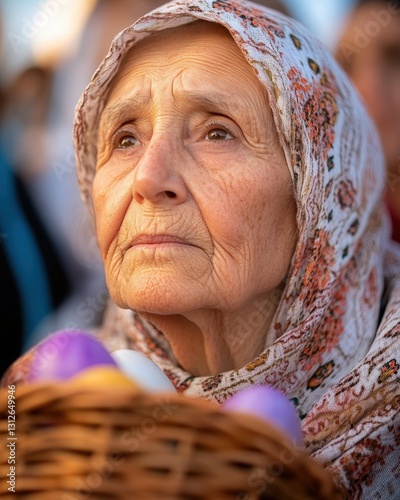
<point>236,186</point>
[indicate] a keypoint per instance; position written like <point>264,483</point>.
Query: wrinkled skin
<point>189,160</point>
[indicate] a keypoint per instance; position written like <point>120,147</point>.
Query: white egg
<point>142,370</point>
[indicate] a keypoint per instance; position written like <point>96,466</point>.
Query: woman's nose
<point>156,178</point>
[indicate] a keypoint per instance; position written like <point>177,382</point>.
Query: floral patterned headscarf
<point>337,323</point>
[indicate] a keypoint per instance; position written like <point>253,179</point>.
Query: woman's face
<point>192,194</point>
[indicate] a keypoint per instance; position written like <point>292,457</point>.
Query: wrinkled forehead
<point>199,64</point>
<point>179,44</point>
<point>184,36</point>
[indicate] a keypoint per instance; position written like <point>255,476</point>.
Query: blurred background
<point>40,32</point>
<point>30,34</point>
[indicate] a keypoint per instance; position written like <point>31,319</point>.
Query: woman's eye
<point>218,134</point>
<point>126,141</point>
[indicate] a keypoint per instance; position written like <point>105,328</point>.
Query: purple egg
<point>65,353</point>
<point>271,405</point>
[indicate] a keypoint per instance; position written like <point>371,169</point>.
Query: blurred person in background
<point>26,254</point>
<point>34,281</point>
<point>369,51</point>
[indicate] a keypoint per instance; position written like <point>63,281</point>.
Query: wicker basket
<point>77,443</point>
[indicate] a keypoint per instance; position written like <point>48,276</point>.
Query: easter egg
<point>142,370</point>
<point>104,377</point>
<point>64,353</point>
<point>271,405</point>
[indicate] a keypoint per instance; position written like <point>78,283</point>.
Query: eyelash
<point>217,125</point>
<point>120,134</point>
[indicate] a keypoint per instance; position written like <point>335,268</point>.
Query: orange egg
<point>103,376</point>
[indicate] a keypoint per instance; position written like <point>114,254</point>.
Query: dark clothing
<point>395,224</point>
<point>33,282</point>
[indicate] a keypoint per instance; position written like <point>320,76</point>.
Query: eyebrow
<point>121,109</point>
<point>219,103</point>
<point>212,101</point>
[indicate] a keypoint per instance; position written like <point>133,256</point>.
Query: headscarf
<point>337,323</point>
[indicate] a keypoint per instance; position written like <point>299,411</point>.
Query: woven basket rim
<point>252,435</point>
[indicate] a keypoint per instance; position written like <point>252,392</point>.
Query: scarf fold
<point>337,353</point>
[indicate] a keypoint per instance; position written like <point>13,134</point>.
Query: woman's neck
<point>212,342</point>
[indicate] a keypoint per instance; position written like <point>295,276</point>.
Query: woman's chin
<point>161,299</point>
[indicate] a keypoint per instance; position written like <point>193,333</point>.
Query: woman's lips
<point>158,240</point>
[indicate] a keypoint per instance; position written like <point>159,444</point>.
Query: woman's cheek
<point>111,197</point>
<point>106,226</point>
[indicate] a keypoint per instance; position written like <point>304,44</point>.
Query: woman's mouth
<point>158,240</point>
